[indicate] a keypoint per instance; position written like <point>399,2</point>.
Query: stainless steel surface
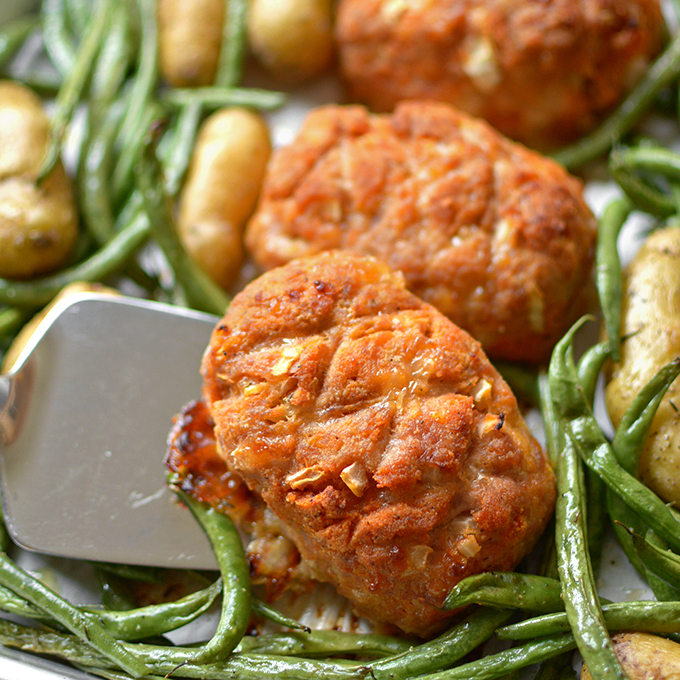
<point>84,428</point>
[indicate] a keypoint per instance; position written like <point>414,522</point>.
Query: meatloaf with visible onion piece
<point>378,433</point>
<point>543,73</point>
<point>495,236</point>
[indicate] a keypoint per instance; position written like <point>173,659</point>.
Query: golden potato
<point>651,338</point>
<point>644,657</point>
<point>38,223</point>
<point>221,190</point>
<point>292,39</point>
<point>189,40</point>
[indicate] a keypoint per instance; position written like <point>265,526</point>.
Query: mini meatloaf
<point>543,73</point>
<point>496,237</point>
<point>377,432</point>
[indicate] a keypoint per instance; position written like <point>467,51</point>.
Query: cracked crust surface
<point>496,237</point>
<point>377,432</point>
<point>544,73</point>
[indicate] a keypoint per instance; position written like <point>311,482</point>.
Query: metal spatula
<point>84,419</point>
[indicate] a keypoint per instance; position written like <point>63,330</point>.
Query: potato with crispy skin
<point>377,432</point>
<point>650,331</point>
<point>223,182</point>
<point>544,73</point>
<point>292,39</point>
<point>38,222</point>
<point>189,40</point>
<point>495,236</point>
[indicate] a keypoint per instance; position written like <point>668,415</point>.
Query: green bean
<point>237,667</point>
<point>235,571</point>
<point>650,616</point>
<point>84,626</point>
<point>122,180</point>
<point>216,97</point>
<point>444,650</point>
<point>157,619</point>
<point>636,422</point>
<point>75,82</point>
<point>262,609</point>
<point>625,163</point>
<point>233,49</point>
<point>78,14</point>
<point>180,147</point>
<point>144,84</point>
<point>597,518</point>
<point>201,291</point>
<point>575,569</point>
<point>662,562</point>
<point>507,590</point>
<point>589,368</point>
<point>59,44</point>
<point>585,436</point>
<point>608,270</point>
<point>14,35</point>
<point>323,643</point>
<point>112,64</point>
<point>662,73</point>
<point>106,261</point>
<point>93,177</point>
<point>497,665</point>
<point>46,84</point>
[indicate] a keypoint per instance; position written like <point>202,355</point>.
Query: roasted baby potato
<point>292,39</point>
<point>38,222</point>
<point>223,183</point>
<point>645,657</point>
<point>650,330</point>
<point>189,40</point>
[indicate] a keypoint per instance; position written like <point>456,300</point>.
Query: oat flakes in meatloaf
<point>543,73</point>
<point>378,433</point>
<point>495,236</point>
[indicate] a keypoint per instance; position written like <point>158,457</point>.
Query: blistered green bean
<point>581,601</point>
<point>650,616</point>
<point>82,625</point>
<point>496,665</point>
<point>202,293</point>
<point>608,270</point>
<point>235,572</point>
<point>324,643</point>
<point>75,81</point>
<point>212,98</point>
<point>444,650</point>
<point>507,590</point>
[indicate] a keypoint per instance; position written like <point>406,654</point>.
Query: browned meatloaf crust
<point>377,432</point>
<point>543,73</point>
<point>496,237</point>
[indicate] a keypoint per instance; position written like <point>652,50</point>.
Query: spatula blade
<point>83,476</point>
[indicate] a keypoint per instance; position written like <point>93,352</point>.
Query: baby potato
<point>189,40</point>
<point>38,223</point>
<point>292,39</point>
<point>644,656</point>
<point>650,330</point>
<point>221,190</point>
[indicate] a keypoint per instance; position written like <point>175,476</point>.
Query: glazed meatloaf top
<point>543,73</point>
<point>377,432</point>
<point>495,236</point>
